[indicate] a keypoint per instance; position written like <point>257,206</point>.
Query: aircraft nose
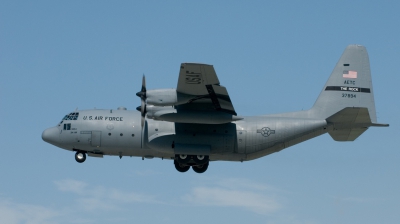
<point>51,135</point>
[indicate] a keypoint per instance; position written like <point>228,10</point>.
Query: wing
<point>201,82</point>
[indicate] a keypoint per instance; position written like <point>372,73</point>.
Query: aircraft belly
<point>166,142</point>
<point>218,138</point>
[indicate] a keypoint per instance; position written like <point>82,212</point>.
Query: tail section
<point>347,99</point>
<point>349,85</point>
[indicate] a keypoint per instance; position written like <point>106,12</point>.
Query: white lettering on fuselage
<point>114,118</point>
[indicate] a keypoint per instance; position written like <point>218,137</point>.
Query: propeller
<point>142,95</point>
<point>142,107</point>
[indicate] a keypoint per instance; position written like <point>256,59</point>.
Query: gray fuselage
<point>119,132</point>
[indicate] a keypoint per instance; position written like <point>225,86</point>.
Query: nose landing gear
<point>80,156</point>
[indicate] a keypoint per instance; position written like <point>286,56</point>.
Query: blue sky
<point>273,57</point>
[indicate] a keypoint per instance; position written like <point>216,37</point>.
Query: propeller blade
<point>142,107</point>
<point>143,111</point>
<point>142,93</point>
<point>144,85</point>
<point>142,123</point>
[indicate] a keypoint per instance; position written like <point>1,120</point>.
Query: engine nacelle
<point>151,110</point>
<point>166,97</point>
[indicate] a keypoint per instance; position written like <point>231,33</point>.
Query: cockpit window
<point>71,116</point>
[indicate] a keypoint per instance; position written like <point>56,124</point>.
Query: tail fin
<point>349,85</point>
<point>347,99</point>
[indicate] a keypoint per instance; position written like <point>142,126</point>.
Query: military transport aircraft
<point>196,123</point>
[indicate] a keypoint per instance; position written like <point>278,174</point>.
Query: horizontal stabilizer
<point>350,123</point>
<point>350,117</point>
<point>346,134</point>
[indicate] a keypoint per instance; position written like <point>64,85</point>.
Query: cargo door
<point>96,139</point>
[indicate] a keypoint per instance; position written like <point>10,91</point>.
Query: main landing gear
<point>181,167</point>
<point>199,163</point>
<point>80,156</point>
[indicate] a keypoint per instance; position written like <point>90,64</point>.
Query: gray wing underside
<point>201,82</point>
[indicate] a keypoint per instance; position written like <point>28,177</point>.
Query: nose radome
<point>51,135</point>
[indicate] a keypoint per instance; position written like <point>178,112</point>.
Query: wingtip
<point>379,125</point>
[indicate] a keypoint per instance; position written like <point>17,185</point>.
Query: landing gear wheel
<point>200,159</point>
<point>200,168</point>
<point>80,157</point>
<point>181,167</point>
<point>182,158</point>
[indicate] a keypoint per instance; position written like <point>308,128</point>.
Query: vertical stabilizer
<point>349,85</point>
